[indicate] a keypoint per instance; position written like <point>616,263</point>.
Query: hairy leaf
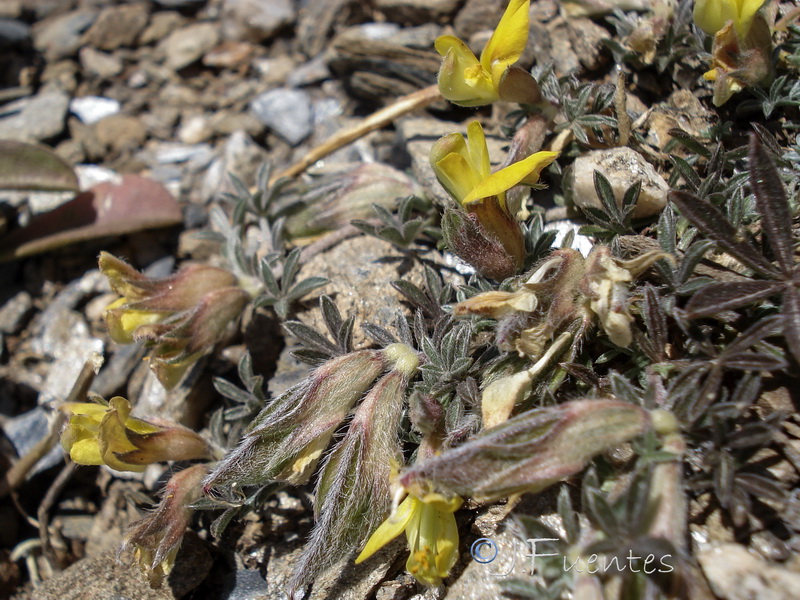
<point>715,226</point>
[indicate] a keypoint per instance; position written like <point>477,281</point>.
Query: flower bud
<point>288,437</point>
<point>531,451</point>
<point>156,539</point>
<point>353,489</point>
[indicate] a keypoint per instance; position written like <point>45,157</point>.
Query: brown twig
<point>19,470</point>
<point>376,120</point>
<point>44,508</point>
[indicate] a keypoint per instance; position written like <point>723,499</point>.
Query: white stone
<point>91,109</point>
<point>622,167</point>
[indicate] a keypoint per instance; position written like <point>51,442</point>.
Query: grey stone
<point>241,157</point>
<point>91,175</point>
<point>36,118</point>
<point>255,20</point>
<point>623,167</point>
<point>14,312</point>
<point>14,33</point>
<point>187,45</point>
<point>313,71</point>
<point>26,430</point>
<point>59,37</point>
<point>274,71</point>
<point>195,129</point>
<point>91,109</point>
<point>61,333</point>
<point>287,112</point>
<point>166,153</point>
<point>40,202</point>
<point>244,585</point>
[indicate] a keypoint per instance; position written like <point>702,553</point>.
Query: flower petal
<point>446,543</point>
<point>504,179</point>
<point>85,452</point>
<point>462,79</point>
<point>508,40</point>
<point>478,150</point>
<point>457,176</point>
<point>390,528</point>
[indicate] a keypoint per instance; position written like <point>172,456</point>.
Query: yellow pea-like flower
<point>467,81</point>
<point>431,531</point>
<point>712,15</point>
<point>106,434</point>
<point>463,168</point>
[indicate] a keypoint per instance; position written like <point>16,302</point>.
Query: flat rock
<point>417,12</point>
<point>120,132</point>
<point>99,64</point>
<point>36,118</point>
<point>117,26</point>
<point>60,36</point>
<point>361,271</point>
<point>285,111</point>
<point>103,577</point>
<point>255,20</point>
<point>734,573</point>
<point>623,167</point>
<point>682,110</point>
<point>188,44</point>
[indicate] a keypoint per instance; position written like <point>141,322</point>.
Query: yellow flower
<point>99,433</point>
<point>713,15</point>
<point>467,81</point>
<point>431,532</point>
<point>462,167</point>
<point>123,322</point>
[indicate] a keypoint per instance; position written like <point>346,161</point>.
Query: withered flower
<point>156,539</point>
<point>180,317</point>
